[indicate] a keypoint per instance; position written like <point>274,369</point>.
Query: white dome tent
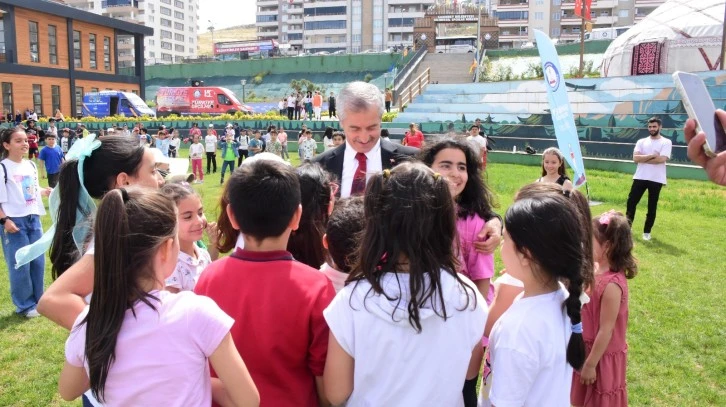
<point>680,35</point>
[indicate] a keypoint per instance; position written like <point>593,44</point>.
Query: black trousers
<point>388,106</point>
<point>290,112</point>
<point>211,161</point>
<point>242,155</point>
<point>332,112</point>
<point>636,193</point>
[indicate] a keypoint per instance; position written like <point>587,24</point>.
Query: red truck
<point>192,101</point>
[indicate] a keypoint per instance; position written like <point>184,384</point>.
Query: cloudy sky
<point>225,13</point>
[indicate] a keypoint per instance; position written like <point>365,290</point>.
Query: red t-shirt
<point>277,304</point>
<point>32,139</point>
<point>415,140</point>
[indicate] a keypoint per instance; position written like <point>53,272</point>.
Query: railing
<point>406,70</point>
<point>414,89</point>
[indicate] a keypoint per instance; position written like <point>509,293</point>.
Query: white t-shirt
<point>336,277</point>
<point>479,141</point>
<point>244,142</point>
<point>291,101</point>
<point>395,365</point>
<point>652,172</point>
<point>175,142</point>
<point>21,195</point>
<point>196,150</point>
<point>210,141</point>
<point>328,143</point>
<point>188,269</point>
<point>528,353</point>
<point>161,355</point>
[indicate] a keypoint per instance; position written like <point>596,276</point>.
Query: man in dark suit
<point>360,107</point>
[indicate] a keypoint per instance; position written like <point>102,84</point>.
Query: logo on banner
<point>552,75</point>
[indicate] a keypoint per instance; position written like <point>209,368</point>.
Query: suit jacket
<point>391,154</point>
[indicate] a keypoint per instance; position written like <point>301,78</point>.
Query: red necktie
<point>359,178</point>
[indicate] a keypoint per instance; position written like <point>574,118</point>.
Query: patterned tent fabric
<point>680,35</point>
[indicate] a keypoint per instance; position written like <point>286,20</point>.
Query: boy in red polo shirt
<point>277,303</point>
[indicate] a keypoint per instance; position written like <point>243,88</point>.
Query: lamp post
<point>211,29</point>
<point>243,82</point>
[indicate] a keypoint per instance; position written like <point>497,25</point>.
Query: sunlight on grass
<point>676,330</point>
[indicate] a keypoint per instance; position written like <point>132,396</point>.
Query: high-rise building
<point>518,18</point>
<point>175,24</point>
<point>332,25</point>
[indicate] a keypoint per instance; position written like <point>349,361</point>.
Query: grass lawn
<point>676,332</point>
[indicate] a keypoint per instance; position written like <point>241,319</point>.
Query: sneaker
<point>646,237</point>
<point>33,313</point>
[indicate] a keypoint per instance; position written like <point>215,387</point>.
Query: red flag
<point>588,9</point>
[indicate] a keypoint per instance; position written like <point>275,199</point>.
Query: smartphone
<point>700,107</point>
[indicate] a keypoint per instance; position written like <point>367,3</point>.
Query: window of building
<point>34,45</point>
<point>2,39</point>
<point>325,25</point>
<point>191,40</point>
<point>178,48</point>
<point>165,45</point>
<point>55,98</point>
<point>266,19</point>
<point>92,51</point>
<point>165,56</point>
<point>152,54</point>
<point>7,90</point>
<point>53,44</point>
<point>166,1</point>
<point>191,50</point>
<point>556,16</point>
<point>622,13</point>
<point>165,23</point>
<point>539,15</point>
<point>179,37</point>
<point>77,61</point>
<point>165,34</point>
<point>165,11</point>
<point>107,53</point>
<point>179,4</point>
<point>38,99</point>
<point>555,32</point>
<point>78,93</point>
<point>178,26</point>
<point>179,15</point>
<point>94,89</point>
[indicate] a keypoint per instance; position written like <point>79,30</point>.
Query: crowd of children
<point>321,301</point>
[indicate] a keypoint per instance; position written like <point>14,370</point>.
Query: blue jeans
<point>26,282</point>
<point>226,164</point>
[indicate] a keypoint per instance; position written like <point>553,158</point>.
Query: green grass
<point>677,322</point>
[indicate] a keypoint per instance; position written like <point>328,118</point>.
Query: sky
<point>226,13</point>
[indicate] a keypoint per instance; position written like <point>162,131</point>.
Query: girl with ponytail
<point>538,341</point>
<point>120,344</point>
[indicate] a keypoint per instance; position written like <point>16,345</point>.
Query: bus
<point>456,45</point>
<point>246,49</point>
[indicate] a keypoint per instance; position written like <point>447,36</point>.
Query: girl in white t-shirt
<point>21,206</point>
<point>406,316</point>
<point>141,349</point>
<point>537,342</point>
<point>192,224</point>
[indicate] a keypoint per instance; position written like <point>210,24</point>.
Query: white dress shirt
<point>374,164</point>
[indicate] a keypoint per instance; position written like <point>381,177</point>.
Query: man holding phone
<point>651,154</point>
<point>715,166</point>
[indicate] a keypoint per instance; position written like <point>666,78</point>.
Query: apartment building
<point>51,54</point>
<point>175,24</point>
<point>518,18</point>
<point>332,25</point>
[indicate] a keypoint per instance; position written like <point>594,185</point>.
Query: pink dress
<point>609,388</point>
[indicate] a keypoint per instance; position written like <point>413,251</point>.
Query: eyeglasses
<point>334,188</point>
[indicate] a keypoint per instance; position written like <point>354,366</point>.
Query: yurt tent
<point>680,35</point>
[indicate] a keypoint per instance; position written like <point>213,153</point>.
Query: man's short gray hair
<point>358,96</point>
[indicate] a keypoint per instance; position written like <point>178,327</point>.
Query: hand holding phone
<point>699,106</point>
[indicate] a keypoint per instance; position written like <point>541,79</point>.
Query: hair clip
<point>386,174</point>
<point>605,217</point>
<point>577,328</point>
<point>124,195</point>
<point>437,176</point>
<point>566,192</point>
<point>384,259</point>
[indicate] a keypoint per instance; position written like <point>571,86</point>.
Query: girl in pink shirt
<point>458,162</point>
<point>136,344</point>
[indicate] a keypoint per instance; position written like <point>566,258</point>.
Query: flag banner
<point>562,117</point>
<point>588,9</point>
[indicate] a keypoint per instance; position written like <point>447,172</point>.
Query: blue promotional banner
<point>560,108</point>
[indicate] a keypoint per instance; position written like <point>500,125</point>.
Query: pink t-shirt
<point>161,355</point>
<point>475,265</point>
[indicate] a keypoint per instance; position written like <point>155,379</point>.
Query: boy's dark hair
<point>50,135</point>
<point>130,227</point>
<point>385,133</point>
<point>409,217</point>
<point>144,130</point>
<point>264,196</point>
<point>343,233</point>
<point>476,198</point>
<point>117,154</point>
<point>339,134</point>
<point>473,126</point>
<point>655,120</point>
<point>306,243</point>
<point>549,230</point>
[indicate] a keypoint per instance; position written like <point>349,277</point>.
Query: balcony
<point>131,6</point>
<point>266,3</point>
<point>609,20</point>
<point>648,3</point>
<point>513,6</point>
<point>513,23</point>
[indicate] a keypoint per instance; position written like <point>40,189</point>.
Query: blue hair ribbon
<point>577,328</point>
<point>80,150</point>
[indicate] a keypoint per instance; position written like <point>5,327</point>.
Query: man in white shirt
<point>651,154</point>
<point>291,106</point>
<point>210,146</point>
